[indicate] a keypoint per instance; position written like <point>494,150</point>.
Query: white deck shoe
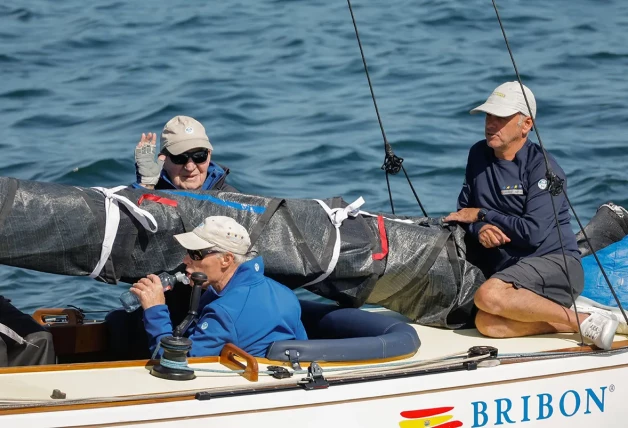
<point>622,328</point>
<point>600,328</point>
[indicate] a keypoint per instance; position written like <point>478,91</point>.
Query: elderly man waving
<point>184,160</point>
<point>506,206</point>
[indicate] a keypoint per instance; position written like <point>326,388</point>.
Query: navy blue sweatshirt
<point>516,195</point>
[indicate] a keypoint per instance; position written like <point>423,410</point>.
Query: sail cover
<point>608,225</point>
<point>415,266</point>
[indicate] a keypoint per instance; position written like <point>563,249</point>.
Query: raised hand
<point>147,167</point>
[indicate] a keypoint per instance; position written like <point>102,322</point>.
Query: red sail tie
<point>383,238</point>
<point>158,199</point>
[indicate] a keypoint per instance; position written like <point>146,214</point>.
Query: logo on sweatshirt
<point>542,184</point>
<point>516,189</point>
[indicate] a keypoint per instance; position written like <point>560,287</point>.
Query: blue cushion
<point>347,335</point>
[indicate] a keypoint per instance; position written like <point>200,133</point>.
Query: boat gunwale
<point>273,388</point>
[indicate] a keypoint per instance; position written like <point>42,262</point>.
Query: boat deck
<point>436,342</point>
<point>125,379</point>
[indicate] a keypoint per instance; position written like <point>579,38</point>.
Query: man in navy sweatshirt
<point>506,206</point>
<point>241,305</point>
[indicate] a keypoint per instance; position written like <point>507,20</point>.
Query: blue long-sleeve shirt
<point>516,195</point>
<point>252,312</point>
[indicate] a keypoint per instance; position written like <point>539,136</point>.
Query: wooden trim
<point>74,316</point>
<point>577,349</point>
<point>228,359</point>
<point>101,365</point>
<point>192,360</point>
<point>588,348</point>
<point>266,361</point>
<point>86,406</point>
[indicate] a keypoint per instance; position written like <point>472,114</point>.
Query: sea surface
<point>281,90</point>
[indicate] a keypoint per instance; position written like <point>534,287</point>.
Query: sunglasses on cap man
<point>198,255</point>
<point>198,156</point>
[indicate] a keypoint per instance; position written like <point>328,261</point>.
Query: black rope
<point>392,206</point>
<point>414,193</point>
<point>392,163</point>
<point>555,187</point>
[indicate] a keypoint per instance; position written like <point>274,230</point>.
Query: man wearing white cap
<point>506,207</point>
<point>184,163</point>
<point>240,305</point>
<point>184,160</point>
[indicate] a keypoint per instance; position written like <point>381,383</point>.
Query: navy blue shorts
<point>546,277</point>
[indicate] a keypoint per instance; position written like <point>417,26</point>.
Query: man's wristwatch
<point>481,214</point>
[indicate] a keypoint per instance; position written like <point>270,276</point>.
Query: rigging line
<point>555,187</point>
<point>392,163</point>
<point>392,206</point>
<point>599,263</point>
<point>549,174</point>
<point>414,192</point>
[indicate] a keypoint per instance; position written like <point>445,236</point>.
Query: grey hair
<point>237,258</point>
<point>522,117</point>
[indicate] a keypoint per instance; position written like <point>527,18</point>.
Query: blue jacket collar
<point>214,173</point>
<point>246,273</point>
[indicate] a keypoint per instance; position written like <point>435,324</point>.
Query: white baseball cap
<point>183,133</point>
<point>506,100</point>
<point>217,231</point>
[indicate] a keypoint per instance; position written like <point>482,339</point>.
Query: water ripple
<point>281,90</point>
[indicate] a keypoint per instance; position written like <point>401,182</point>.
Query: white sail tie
<point>13,335</point>
<point>112,215</point>
<point>337,216</point>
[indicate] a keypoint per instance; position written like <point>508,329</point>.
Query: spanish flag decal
<point>433,417</point>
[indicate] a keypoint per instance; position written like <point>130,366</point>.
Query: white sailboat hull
<point>580,391</point>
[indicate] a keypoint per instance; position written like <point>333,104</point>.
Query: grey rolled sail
<point>422,273</point>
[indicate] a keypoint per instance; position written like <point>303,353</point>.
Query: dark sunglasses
<point>200,254</point>
<point>199,156</point>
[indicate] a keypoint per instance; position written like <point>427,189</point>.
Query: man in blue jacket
<point>183,163</point>
<point>506,207</point>
<point>241,305</point>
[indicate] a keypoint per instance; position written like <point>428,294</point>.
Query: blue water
<point>280,87</point>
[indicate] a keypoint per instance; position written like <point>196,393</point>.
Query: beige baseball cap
<point>183,133</point>
<point>506,100</point>
<point>220,231</point>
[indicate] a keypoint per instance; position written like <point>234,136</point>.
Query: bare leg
<point>520,312</point>
<point>496,326</point>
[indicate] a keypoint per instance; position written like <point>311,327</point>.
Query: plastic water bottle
<point>131,302</point>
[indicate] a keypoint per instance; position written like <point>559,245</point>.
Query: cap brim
<point>495,110</point>
<point>183,146</point>
<point>191,241</point>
